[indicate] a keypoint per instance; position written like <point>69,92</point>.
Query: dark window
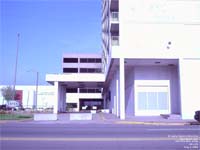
<point>91,90</point>
<point>98,60</point>
<point>91,60</point>
<point>83,70</point>
<point>98,91</point>
<point>70,70</point>
<point>98,70</point>
<point>71,90</point>
<point>71,105</point>
<point>90,70</point>
<point>70,60</point>
<point>83,60</point>
<point>83,90</point>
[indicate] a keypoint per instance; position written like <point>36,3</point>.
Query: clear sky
<point>48,28</point>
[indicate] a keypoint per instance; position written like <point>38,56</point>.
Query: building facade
<point>80,85</point>
<point>151,56</point>
<point>30,98</point>
<point>150,62</point>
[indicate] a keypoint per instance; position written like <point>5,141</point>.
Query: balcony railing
<point>115,16</point>
<point>115,40</point>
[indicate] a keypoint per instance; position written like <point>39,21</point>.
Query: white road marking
<point>177,129</point>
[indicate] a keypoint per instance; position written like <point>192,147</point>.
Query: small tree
<point>8,93</point>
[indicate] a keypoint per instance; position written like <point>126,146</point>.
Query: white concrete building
<point>45,96</point>
<point>81,83</point>
<point>150,60</point>
<point>152,56</point>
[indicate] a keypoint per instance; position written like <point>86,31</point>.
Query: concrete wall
<point>146,28</point>
<point>129,90</point>
<point>114,93</point>
<point>190,82</point>
<point>112,89</point>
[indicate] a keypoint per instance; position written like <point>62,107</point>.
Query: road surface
<point>37,136</point>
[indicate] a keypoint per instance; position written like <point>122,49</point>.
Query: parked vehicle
<point>197,115</point>
<point>5,107</point>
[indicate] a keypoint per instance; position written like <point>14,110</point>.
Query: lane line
<point>178,129</point>
<point>94,139</point>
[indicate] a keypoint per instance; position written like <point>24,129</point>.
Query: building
<point>151,56</point>
<point>27,96</point>
<point>81,83</point>
<point>150,60</point>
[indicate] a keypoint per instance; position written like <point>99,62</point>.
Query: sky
<point>48,29</point>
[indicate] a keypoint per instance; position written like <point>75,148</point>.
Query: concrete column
<point>64,101</point>
<point>115,105</point>
<point>189,86</point>
<point>122,88</point>
<point>117,97</point>
<point>62,97</point>
<point>104,101</point>
<point>56,97</point>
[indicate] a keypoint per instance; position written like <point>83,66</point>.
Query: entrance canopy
<point>77,79</point>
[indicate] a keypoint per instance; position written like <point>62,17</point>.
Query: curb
<point>153,123</point>
<point>3,121</point>
<point>20,120</point>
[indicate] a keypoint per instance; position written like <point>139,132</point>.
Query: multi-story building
<point>80,85</point>
<point>81,96</point>
<point>151,56</point>
<point>150,60</point>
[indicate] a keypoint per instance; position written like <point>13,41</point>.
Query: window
<point>71,90</point>
<point>90,60</point>
<point>98,60</point>
<point>90,90</point>
<point>70,60</point>
<point>83,90</point>
<point>90,70</point>
<point>115,40</point>
<point>83,60</point>
<point>70,70</point>
<point>152,97</point>
<point>71,105</point>
<point>152,101</point>
<point>83,70</point>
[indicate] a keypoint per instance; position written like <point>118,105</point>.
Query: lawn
<point>14,116</point>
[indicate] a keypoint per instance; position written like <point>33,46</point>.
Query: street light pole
<point>16,62</point>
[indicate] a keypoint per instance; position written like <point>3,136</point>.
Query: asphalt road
<point>32,136</point>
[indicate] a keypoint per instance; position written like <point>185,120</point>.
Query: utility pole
<point>16,63</point>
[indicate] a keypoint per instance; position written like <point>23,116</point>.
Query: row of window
<point>83,90</point>
<point>82,60</point>
<point>82,70</point>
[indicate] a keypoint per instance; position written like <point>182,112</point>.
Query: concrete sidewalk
<point>151,120</point>
<point>113,119</point>
<point>108,118</point>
